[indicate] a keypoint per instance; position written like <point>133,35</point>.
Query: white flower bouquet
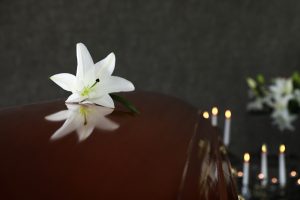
<point>281,99</point>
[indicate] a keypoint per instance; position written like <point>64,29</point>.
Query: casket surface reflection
<point>52,150</point>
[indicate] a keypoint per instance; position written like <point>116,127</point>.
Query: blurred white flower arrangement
<point>281,99</point>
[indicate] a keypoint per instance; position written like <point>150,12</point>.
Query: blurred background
<point>200,51</point>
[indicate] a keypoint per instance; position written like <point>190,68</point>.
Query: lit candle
<point>205,115</point>
<point>214,116</point>
<point>240,174</point>
<point>264,165</point>
<point>246,169</point>
<point>293,174</point>
<point>282,170</point>
<point>227,127</point>
<point>274,180</point>
<point>260,176</point>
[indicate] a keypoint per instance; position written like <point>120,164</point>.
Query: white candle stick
<point>246,169</point>
<point>214,116</point>
<point>264,165</point>
<point>226,138</point>
<point>282,169</point>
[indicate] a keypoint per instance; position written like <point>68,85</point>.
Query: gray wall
<point>197,50</point>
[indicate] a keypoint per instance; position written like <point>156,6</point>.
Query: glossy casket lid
<point>146,156</point>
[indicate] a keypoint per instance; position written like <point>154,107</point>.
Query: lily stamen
<point>97,81</point>
<point>87,90</point>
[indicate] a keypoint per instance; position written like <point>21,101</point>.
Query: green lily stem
<point>125,103</point>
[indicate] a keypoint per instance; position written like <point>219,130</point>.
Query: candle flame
<point>214,111</point>
<point>261,176</point>
<point>206,115</point>
<point>227,114</point>
<point>246,157</point>
<point>240,174</point>
<point>274,180</point>
<point>298,181</point>
<point>282,148</point>
<point>293,173</point>
<point>264,148</point>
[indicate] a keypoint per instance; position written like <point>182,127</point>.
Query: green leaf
<point>296,80</point>
<point>125,103</point>
<point>260,79</point>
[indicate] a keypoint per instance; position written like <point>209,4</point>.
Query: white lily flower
<point>281,115</point>
<point>281,92</point>
<point>283,119</point>
<point>83,119</point>
<point>93,82</point>
<point>281,87</point>
<point>258,102</point>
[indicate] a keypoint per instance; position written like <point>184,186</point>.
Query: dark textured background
<point>198,50</point>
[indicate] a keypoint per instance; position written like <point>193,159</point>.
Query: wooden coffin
<point>167,152</point>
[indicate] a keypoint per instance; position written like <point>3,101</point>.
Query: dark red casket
<point>168,152</point>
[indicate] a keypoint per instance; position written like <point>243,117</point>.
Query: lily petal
<point>73,107</point>
<point>69,126</point>
<point>105,101</point>
<point>117,84</point>
<point>84,60</point>
<point>65,81</point>
<point>74,98</point>
<point>84,132</point>
<point>58,116</point>
<point>107,125</point>
<point>100,111</point>
<point>105,67</point>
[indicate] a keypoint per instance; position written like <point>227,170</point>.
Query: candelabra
<point>260,175</point>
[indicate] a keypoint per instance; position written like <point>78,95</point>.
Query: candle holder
<point>263,169</point>
<point>272,191</point>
